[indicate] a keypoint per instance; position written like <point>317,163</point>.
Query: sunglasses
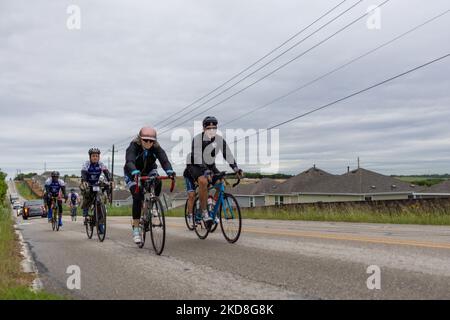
<point>147,140</point>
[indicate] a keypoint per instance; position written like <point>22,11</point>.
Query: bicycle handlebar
<point>224,174</point>
<point>146,178</point>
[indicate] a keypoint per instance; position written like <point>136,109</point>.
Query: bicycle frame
<point>220,199</point>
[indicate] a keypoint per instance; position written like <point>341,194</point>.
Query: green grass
<point>14,284</point>
<point>422,181</point>
<point>405,215</point>
<point>25,191</point>
<point>415,214</point>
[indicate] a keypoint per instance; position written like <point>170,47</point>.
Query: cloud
<point>64,91</point>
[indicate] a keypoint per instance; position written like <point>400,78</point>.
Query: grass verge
<point>413,214</point>
<point>25,191</point>
<point>14,284</point>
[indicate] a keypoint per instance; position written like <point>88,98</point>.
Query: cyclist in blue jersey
<point>90,175</point>
<point>74,202</point>
<point>53,187</point>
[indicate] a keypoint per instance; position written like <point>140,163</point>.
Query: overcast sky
<point>139,62</point>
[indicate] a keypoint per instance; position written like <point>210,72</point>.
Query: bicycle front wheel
<point>230,218</point>
<point>157,225</point>
<point>189,220</point>
<point>100,216</point>
<point>89,226</point>
<point>54,222</point>
<point>200,227</point>
<point>57,221</point>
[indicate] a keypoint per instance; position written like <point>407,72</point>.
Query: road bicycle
<point>97,211</point>
<point>152,214</point>
<point>73,212</point>
<point>56,216</point>
<point>226,208</point>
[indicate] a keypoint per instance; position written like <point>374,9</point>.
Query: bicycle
<point>55,213</point>
<point>73,212</point>
<point>152,213</point>
<point>226,207</point>
<point>97,211</point>
<point>188,218</point>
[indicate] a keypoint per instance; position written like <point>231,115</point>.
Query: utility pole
<point>112,168</point>
<point>360,177</point>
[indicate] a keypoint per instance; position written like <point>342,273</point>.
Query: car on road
<point>13,198</point>
<point>16,205</point>
<point>33,208</point>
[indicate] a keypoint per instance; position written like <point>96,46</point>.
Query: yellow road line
<point>350,238</point>
<point>318,235</point>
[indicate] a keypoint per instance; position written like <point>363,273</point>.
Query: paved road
<point>272,260</point>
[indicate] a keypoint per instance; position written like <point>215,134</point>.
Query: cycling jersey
<point>54,187</point>
<point>74,198</point>
<point>91,172</point>
<point>137,158</point>
<point>204,151</point>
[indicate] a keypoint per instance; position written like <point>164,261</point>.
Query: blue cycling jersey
<point>53,187</point>
<point>91,172</point>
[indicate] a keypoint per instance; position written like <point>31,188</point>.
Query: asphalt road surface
<point>271,260</point>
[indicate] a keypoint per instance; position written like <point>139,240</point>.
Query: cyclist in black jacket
<point>140,159</point>
<point>201,164</point>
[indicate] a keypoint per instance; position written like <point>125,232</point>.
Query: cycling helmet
<point>209,121</point>
<point>55,174</point>
<point>148,133</point>
<point>72,190</point>
<point>94,150</point>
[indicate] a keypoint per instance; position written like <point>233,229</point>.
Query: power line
<point>353,94</point>
<point>337,69</point>
<point>254,63</point>
<point>258,69</point>
<point>249,67</point>
<point>277,69</point>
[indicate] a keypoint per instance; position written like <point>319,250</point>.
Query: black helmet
<point>55,174</point>
<point>209,121</point>
<point>72,190</point>
<point>94,150</point>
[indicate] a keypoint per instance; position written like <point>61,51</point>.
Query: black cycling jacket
<point>204,151</point>
<point>137,159</point>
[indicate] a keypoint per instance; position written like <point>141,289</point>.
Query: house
<point>440,190</point>
<point>253,194</point>
<point>316,185</point>
<point>122,198</point>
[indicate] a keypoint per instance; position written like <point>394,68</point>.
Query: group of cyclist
<point>140,160</point>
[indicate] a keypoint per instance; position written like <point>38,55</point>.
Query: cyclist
<point>90,175</point>
<point>74,201</point>
<point>201,165</point>
<point>140,159</point>
<point>53,187</point>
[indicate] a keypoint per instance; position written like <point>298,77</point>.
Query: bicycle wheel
<point>144,222</point>
<point>100,220</point>
<point>230,218</point>
<point>214,225</point>
<point>53,221</point>
<point>56,217</point>
<point>157,225</point>
<point>189,221</point>
<point>199,225</point>
<point>57,221</point>
<point>89,226</point>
